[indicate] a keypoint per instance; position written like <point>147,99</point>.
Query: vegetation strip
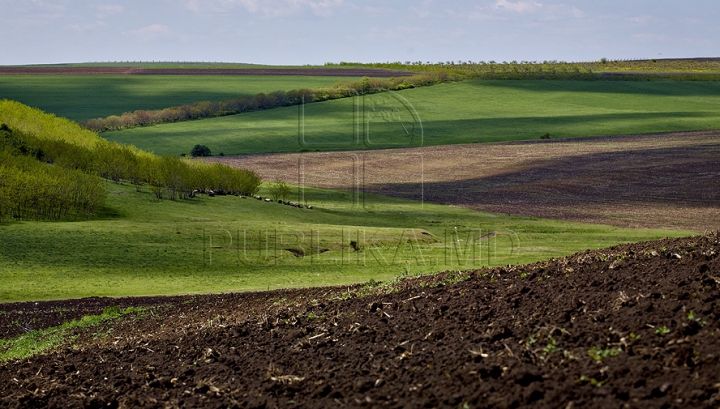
<point>50,169</point>
<point>697,69</point>
<point>262,101</point>
<point>50,339</point>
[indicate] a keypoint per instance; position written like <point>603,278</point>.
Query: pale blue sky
<point>318,31</point>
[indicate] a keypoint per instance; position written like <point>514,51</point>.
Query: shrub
<point>200,150</point>
<point>279,190</point>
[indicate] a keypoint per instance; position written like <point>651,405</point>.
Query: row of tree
<point>492,69</point>
<point>53,177</point>
<point>168,176</point>
<point>31,190</point>
<point>669,69</point>
<point>207,109</point>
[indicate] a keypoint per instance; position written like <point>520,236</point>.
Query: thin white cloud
<point>423,10</point>
<point>394,33</point>
<point>648,37</point>
<point>154,29</point>
<point>272,8</point>
<point>644,20</point>
<point>323,8</point>
<point>703,42</point>
<point>376,11</point>
<point>517,7</point>
<point>220,6</point>
<point>38,11</point>
<point>106,10</point>
<point>561,12</point>
<point>479,14</point>
<point>48,7</point>
<point>505,9</point>
<point>150,32</point>
<point>83,28</point>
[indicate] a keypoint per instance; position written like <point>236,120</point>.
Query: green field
<point>82,97</point>
<point>462,112</point>
<point>139,246</point>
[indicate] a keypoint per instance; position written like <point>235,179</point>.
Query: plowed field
<point>631,326</point>
<point>669,181</point>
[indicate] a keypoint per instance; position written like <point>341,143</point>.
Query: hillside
<point>60,238</point>
<point>80,97</point>
<point>631,325</point>
<point>43,156</point>
<point>463,112</point>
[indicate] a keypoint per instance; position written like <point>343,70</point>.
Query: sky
<point>298,32</point>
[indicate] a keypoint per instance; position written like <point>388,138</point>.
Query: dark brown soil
<point>323,72</point>
<point>631,326</point>
<point>662,180</point>
<point>19,318</point>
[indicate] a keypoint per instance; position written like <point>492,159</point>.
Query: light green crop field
<point>82,97</point>
<point>139,246</point>
<point>461,112</point>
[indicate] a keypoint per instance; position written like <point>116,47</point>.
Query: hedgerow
<point>51,168</point>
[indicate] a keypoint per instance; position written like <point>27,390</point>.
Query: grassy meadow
<point>461,112</point>
<point>139,246</point>
<point>82,97</point>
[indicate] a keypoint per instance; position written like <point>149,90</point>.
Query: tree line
<point>490,69</point>
<point>603,69</point>
<point>428,73</point>
<point>33,190</point>
<point>207,109</point>
<point>52,177</point>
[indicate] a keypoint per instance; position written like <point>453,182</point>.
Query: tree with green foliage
<point>200,150</point>
<point>279,190</point>
<point>47,171</point>
<point>32,190</point>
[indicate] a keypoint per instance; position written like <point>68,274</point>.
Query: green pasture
<point>462,112</point>
<point>82,97</point>
<point>139,246</point>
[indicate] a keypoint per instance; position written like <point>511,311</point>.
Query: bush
<point>279,190</point>
<point>200,150</point>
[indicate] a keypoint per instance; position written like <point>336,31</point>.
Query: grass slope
<point>462,112</point>
<point>45,126</point>
<point>82,97</point>
<point>140,246</point>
